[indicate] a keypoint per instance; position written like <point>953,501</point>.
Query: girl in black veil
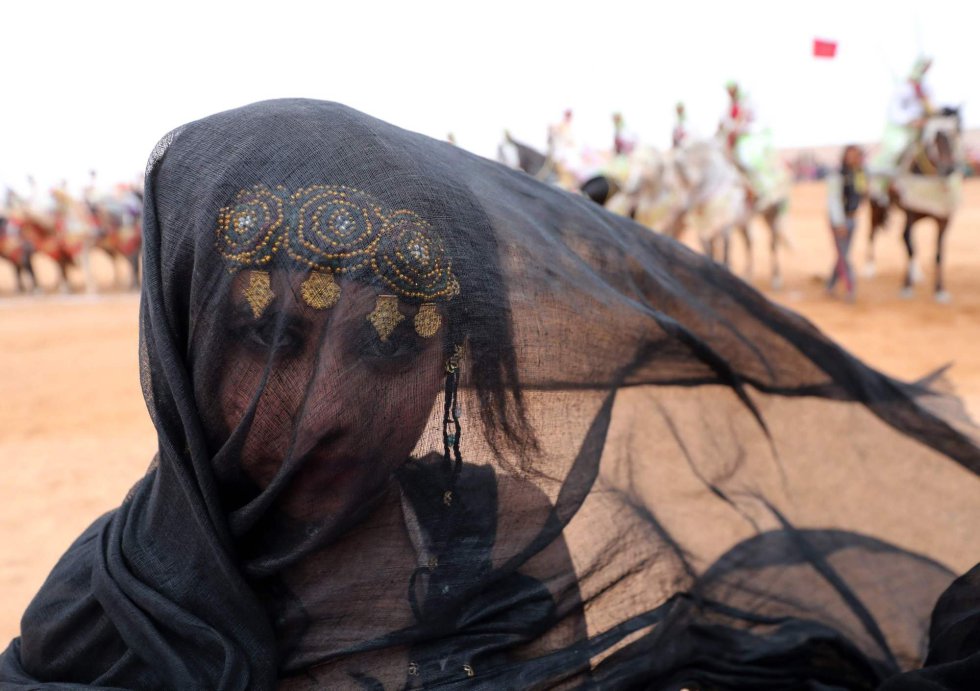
<point>425,422</point>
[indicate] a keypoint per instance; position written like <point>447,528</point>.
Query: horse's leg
<point>65,283</point>
<point>19,281</point>
<point>726,246</point>
<point>675,228</point>
<point>910,220</point>
<point>877,221</point>
<point>743,229</point>
<point>116,278</point>
<point>774,219</point>
<point>29,268</point>
<point>708,247</point>
<point>941,294</point>
<point>86,254</point>
<point>21,270</point>
<point>134,264</point>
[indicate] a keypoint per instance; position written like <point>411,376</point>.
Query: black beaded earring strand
<point>450,422</point>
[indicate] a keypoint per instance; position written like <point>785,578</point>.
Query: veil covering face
<point>426,422</point>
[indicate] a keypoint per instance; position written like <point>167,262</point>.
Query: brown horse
<point>118,232</point>
<point>17,251</point>
<point>926,186</point>
<point>46,235</point>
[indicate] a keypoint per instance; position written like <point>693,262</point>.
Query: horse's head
<point>646,172</point>
<point>941,143</point>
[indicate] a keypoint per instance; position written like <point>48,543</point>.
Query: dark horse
<point>926,186</point>
<point>523,157</point>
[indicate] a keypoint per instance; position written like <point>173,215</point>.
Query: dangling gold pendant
<point>259,292</point>
<point>320,291</point>
<point>385,316</point>
<point>427,320</point>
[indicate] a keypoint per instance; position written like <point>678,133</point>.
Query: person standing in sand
<point>847,189</point>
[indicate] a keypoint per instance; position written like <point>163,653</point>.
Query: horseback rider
<point>562,151</point>
<point>736,121</point>
<point>734,127</point>
<point>679,134</point>
<point>913,101</point>
<point>910,107</point>
<point>623,140</point>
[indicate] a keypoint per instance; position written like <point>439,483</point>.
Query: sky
<point>94,85</point>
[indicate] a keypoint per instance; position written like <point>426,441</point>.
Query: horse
<point>46,234</point>
<point>770,182</point>
<point>520,156</point>
<point>117,229</point>
<point>926,185</point>
<point>17,251</point>
<point>699,184</point>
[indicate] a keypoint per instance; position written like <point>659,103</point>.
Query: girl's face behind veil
<point>337,408</point>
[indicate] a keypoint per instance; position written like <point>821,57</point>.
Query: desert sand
<point>75,434</point>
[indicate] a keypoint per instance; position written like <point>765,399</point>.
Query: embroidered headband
<point>338,230</point>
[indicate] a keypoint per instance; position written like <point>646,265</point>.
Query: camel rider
<point>679,135</point>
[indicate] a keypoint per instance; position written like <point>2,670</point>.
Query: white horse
<point>693,186</point>
<point>701,186</point>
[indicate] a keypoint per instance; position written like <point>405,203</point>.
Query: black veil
<point>425,421</point>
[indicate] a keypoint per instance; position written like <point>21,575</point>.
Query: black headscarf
<point>425,421</point>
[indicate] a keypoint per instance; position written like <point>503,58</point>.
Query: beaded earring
<point>451,428</point>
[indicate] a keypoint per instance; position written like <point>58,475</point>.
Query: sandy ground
<point>75,435</point>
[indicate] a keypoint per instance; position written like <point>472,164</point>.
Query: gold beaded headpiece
<point>330,230</point>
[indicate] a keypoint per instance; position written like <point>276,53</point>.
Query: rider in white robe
<point>910,106</point>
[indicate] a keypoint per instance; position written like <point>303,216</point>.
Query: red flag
<point>823,48</point>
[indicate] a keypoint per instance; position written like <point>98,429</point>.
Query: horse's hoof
<point>943,298</point>
<point>870,270</point>
<point>915,274</point>
<point>777,283</point>
<point>907,293</point>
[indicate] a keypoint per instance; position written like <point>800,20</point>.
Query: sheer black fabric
<point>426,422</point>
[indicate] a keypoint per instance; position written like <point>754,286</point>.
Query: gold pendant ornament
<point>259,292</point>
<point>385,316</point>
<point>320,291</point>
<point>427,320</point>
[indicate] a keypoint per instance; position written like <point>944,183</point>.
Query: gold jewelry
<point>259,292</point>
<point>335,229</point>
<point>320,291</point>
<point>385,316</point>
<point>427,320</point>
